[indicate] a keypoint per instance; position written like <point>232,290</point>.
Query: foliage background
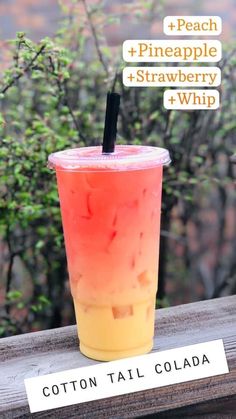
<point>52,97</point>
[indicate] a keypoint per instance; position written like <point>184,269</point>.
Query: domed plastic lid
<point>125,157</point>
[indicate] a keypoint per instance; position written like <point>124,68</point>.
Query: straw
<point>112,110</point>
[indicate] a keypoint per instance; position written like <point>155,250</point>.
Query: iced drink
<point>110,206</point>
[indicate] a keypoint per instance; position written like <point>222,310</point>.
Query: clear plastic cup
<point>110,207</point>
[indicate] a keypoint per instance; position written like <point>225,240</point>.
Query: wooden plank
<point>216,409</point>
<point>55,350</point>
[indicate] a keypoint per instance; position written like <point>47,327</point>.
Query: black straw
<point>112,110</point>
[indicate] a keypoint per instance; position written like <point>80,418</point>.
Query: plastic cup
<point>110,207</point>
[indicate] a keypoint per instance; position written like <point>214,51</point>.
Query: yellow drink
<point>111,219</point>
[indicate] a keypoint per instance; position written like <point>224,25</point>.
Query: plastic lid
<point>125,157</point>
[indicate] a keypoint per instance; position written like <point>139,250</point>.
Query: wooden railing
<point>56,350</point>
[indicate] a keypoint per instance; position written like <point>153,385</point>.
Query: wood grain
<point>56,350</point>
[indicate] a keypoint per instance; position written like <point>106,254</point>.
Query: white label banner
<point>125,376</point>
<point>192,25</point>
<point>171,76</point>
<point>207,99</point>
<point>180,50</point>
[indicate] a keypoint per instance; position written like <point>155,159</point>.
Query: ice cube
<point>120,312</point>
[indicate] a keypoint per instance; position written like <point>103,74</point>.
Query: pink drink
<point>110,206</point>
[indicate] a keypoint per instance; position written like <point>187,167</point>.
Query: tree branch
<point>62,87</point>
<point>18,76</point>
<point>76,123</point>
<point>95,38</point>
<point>10,266</point>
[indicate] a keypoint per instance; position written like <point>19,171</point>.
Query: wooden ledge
<point>56,350</point>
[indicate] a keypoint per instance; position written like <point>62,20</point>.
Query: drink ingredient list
<point>179,51</point>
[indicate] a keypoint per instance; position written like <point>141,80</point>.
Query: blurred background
<point>55,75</point>
<point>40,19</point>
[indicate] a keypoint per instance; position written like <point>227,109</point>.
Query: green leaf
<point>2,330</point>
<point>193,181</point>
<point>14,295</point>
<point>188,198</point>
<point>155,115</point>
<point>2,120</point>
<point>44,300</point>
<point>37,74</point>
<point>39,244</point>
<point>20,35</point>
<point>174,140</point>
<point>198,159</point>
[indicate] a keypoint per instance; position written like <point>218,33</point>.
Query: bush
<point>53,97</point>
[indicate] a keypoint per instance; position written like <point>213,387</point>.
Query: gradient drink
<point>110,206</point>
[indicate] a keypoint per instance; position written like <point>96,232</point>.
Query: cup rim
<point>140,156</point>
